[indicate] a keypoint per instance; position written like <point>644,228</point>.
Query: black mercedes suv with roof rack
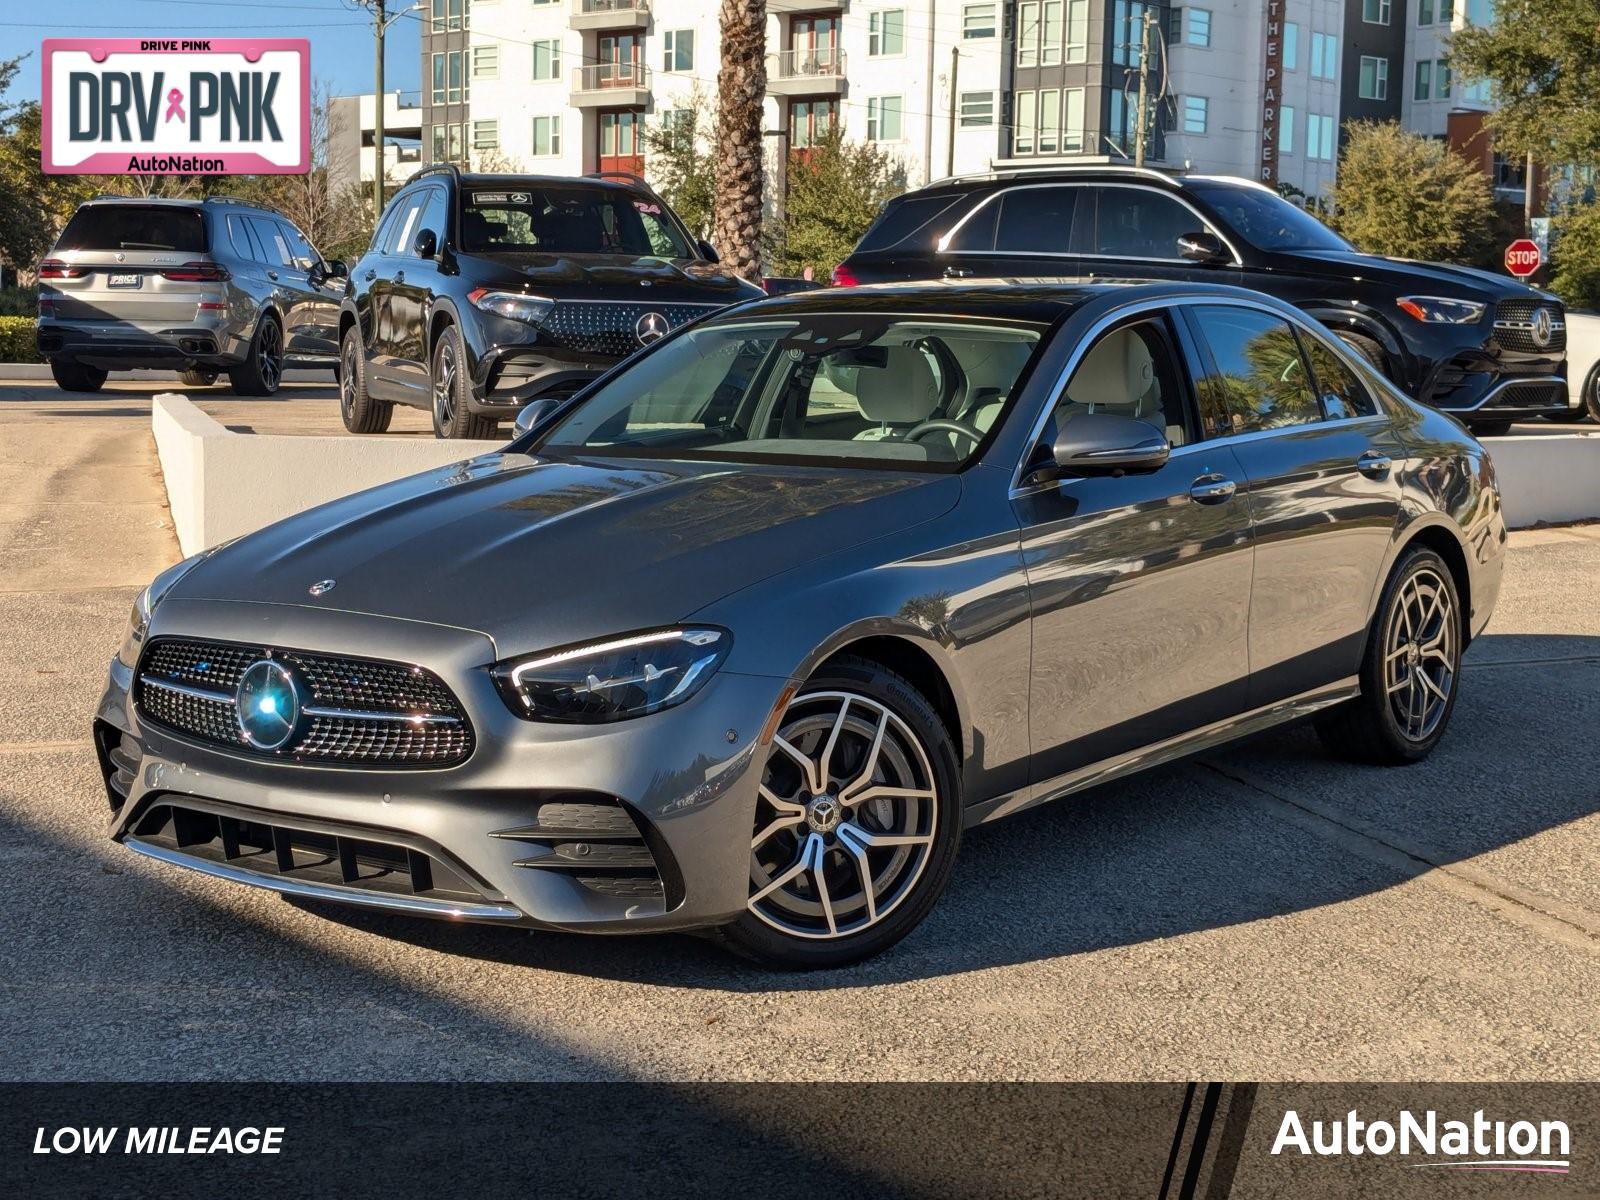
<point>483,293</point>
<point>1480,346</point>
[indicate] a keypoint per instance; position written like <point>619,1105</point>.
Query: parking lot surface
<point>1263,913</point>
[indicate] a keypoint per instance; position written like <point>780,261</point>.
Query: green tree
<point>1405,195</point>
<point>741,92</point>
<point>679,149</point>
<point>836,188</point>
<point>1542,58</point>
<point>36,205</point>
<point>1575,256</point>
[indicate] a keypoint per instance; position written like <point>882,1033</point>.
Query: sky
<point>339,31</point>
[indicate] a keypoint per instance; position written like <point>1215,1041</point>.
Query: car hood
<point>537,552</point>
<point>662,280</point>
<point>1417,275</point>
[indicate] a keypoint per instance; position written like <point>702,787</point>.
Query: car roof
<point>1038,300</point>
<point>1081,173</point>
<point>611,183</point>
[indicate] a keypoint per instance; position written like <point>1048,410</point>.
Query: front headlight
<point>144,604</point>
<point>1441,310</point>
<point>511,305</point>
<point>613,680</point>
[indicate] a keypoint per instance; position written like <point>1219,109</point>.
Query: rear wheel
<point>1411,672</point>
<point>359,411</point>
<point>76,377</point>
<point>197,378</point>
<point>262,370</point>
<point>451,390</point>
<point>857,825</point>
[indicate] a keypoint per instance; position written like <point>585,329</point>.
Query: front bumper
<point>533,829</point>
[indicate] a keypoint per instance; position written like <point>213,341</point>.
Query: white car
<point>1583,363</point>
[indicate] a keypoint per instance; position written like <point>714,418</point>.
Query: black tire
<point>359,411</point>
<point>451,389</point>
<point>261,373</point>
<point>76,377</point>
<point>1483,429</point>
<point>1367,349</point>
<point>799,925</point>
<point>197,379</point>
<point>1370,727</point>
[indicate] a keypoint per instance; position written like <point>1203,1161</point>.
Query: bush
<point>1409,196</point>
<point>1575,255</point>
<point>16,340</point>
<point>19,302</point>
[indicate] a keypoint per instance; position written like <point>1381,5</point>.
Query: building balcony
<point>817,71</point>
<point>784,8</point>
<point>610,14</point>
<point>611,85</point>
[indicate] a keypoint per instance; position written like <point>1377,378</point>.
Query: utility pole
<point>955,99</point>
<point>1527,196</point>
<point>381,20</point>
<point>1146,23</point>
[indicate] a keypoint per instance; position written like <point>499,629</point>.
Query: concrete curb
<point>39,371</point>
<point>1547,480</point>
<point>222,484</point>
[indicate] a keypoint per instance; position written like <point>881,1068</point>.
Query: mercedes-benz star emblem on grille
<point>1542,327</point>
<point>322,587</point>
<point>268,701</point>
<point>652,327</point>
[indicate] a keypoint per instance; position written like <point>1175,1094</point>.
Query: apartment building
<point>352,137</point>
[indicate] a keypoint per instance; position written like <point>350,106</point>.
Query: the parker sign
<point>171,106</point>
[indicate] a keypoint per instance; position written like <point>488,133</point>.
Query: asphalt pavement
<point>1263,913</point>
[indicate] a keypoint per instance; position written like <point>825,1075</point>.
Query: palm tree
<point>741,88</point>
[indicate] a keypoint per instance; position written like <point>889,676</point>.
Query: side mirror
<point>1202,246</point>
<point>1105,444</point>
<point>708,251</point>
<point>336,268</point>
<point>534,414</point>
<point>426,244</point>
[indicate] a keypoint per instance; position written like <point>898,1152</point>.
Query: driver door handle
<point>1212,489</point>
<point>1374,464</point>
<point>273,275</point>
<point>371,274</point>
<point>399,276</point>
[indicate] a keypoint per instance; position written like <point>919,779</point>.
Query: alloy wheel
<point>269,355</point>
<point>1421,651</point>
<point>347,379</point>
<point>444,386</point>
<point>847,817</point>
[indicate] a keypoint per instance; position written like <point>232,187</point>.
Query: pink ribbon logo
<point>175,105</point>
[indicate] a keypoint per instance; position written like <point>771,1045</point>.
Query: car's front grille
<point>1530,395</point>
<point>1515,322</point>
<point>614,329</point>
<point>355,711</point>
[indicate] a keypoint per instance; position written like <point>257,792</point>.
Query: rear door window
<point>135,227</point>
<point>244,245</point>
<point>1343,395</point>
<point>1133,222</point>
<point>273,245</point>
<point>1036,219</point>
<point>1259,380</point>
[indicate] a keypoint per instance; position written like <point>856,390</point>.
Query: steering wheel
<point>959,428</point>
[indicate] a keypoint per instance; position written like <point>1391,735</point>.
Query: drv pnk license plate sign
<point>177,106</point>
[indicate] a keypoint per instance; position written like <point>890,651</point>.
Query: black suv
<point>483,293</point>
<point>1480,346</point>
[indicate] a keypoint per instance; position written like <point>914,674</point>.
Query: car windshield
<point>567,220</point>
<point>916,393</point>
<point>134,227</point>
<point>1267,221</point>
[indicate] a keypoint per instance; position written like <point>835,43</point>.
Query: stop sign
<point>1523,258</point>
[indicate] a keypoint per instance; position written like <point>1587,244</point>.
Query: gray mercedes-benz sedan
<point>741,637</point>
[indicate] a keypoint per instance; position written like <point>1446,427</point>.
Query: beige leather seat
<point>1118,376</point>
<point>905,392</point>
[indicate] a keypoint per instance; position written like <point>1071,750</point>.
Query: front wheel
<point>75,377</point>
<point>359,411</point>
<point>1411,672</point>
<point>857,823</point>
<point>451,391</point>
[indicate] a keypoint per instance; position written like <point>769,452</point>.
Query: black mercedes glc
<point>483,293</point>
<point>1480,346</point>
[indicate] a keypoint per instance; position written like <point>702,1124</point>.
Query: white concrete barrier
<point>1551,480</point>
<point>221,484</point>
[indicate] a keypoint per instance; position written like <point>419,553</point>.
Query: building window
<point>449,14</point>
<point>1441,79</point>
<point>1374,81</point>
<point>1194,114</point>
<point>978,21</point>
<point>1324,56</point>
<point>547,136</point>
<point>486,62</point>
<point>1072,127</point>
<point>1199,26</point>
<point>810,121</point>
<point>1127,32</point>
<point>1027,121</point>
<point>678,126</point>
<point>1423,83</point>
<point>1320,137</point>
<point>679,53</point>
<point>448,78</point>
<point>1376,12</point>
<point>883,119</point>
<point>1050,52</point>
<point>1424,12</point>
<point>977,110</point>
<point>1028,34</point>
<point>1077,30</point>
<point>546,59</point>
<point>448,143</point>
<point>1049,121</point>
<point>1291,46</point>
<point>1285,130</point>
<point>886,32</point>
<point>486,135</point>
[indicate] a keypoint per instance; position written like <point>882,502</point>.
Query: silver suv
<point>199,286</point>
